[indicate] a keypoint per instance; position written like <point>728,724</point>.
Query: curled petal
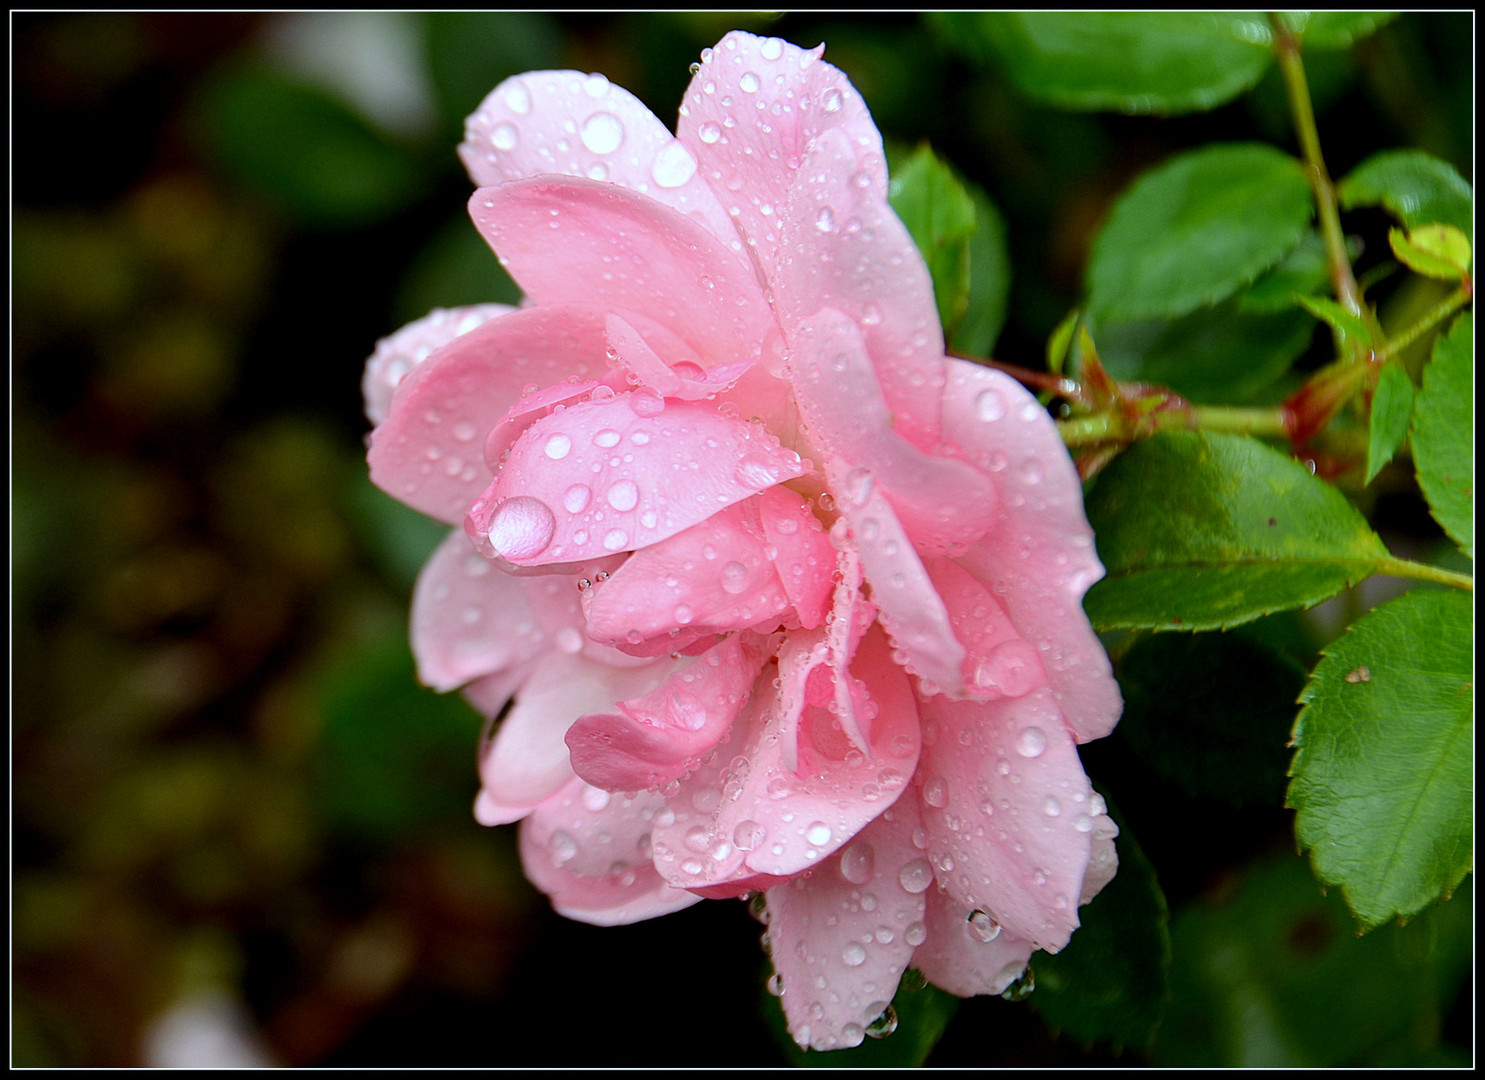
<point>468,620</point>
<point>589,851</point>
<point>753,109</point>
<point>802,553</point>
<point>748,812</point>
<point>997,662</point>
<point>428,452</point>
<point>580,125</point>
<point>1009,812</point>
<point>611,475</point>
<point>844,248</point>
<point>527,761</point>
<point>1039,559</point>
<point>841,937</point>
<point>713,578</point>
<point>967,952</point>
<point>650,741</point>
<point>575,241</point>
<point>397,354</point>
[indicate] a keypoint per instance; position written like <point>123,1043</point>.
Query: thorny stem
<point>1424,572</point>
<point>1286,46</point>
<point>1111,427</point>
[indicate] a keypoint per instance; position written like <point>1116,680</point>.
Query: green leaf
<point>1267,972</point>
<point>305,148</point>
<point>1392,407</point>
<point>1444,433</point>
<point>1217,355</point>
<point>940,215</point>
<point>1337,317</point>
<point>1436,251</point>
<point>1415,188</point>
<point>1384,758</point>
<point>1060,341</point>
<point>1149,62</point>
<point>1196,229</point>
<point>1211,713</point>
<point>923,1011</point>
<point>1201,531</point>
<point>1110,984</point>
<point>989,279</point>
<point>1335,29</point>
<point>1303,272</point>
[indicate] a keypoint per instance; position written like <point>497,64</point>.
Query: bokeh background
<point>241,832</point>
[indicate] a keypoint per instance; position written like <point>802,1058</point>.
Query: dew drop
<point>983,927</point>
<point>831,100</point>
<point>518,100</point>
<point>1051,807</point>
<point>602,133</point>
<point>1032,742</point>
<point>522,527</point>
<point>709,132</point>
<point>575,499</point>
<point>818,833</point>
<point>624,495</point>
<point>885,1024</point>
<point>825,220</point>
<point>858,863</point>
<point>854,954</point>
<point>936,792</point>
<point>771,49</point>
<point>989,405</point>
<point>916,933</point>
<point>734,578</point>
<point>608,438</point>
<point>558,447</point>
<point>615,540</point>
<point>749,83</point>
<point>915,877</point>
<point>673,165</point>
<point>748,835</point>
<point>505,136</point>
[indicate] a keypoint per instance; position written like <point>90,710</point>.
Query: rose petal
<point>943,503</point>
<point>747,812</point>
<point>397,354</point>
<point>653,740</point>
<point>803,554</point>
<point>589,851</point>
<point>1008,811</point>
<point>582,242</point>
<point>582,125</point>
<point>1039,560</point>
<point>469,620</point>
<point>713,578</point>
<point>428,452</point>
<point>841,937</point>
<point>957,956</point>
<point>997,662</point>
<point>845,248</point>
<point>527,760</point>
<point>750,115</point>
<point>609,476</point>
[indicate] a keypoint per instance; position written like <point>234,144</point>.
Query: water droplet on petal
<point>575,500</point>
<point>709,132</point>
<point>558,447</point>
<point>673,165</point>
<point>936,792</point>
<point>915,877</point>
<point>734,578</point>
<point>983,927</point>
<point>749,83</point>
<point>818,833</point>
<point>748,835</point>
<point>518,100</point>
<point>989,405</point>
<point>1032,742</point>
<point>602,133</point>
<point>615,540</point>
<point>522,527</point>
<point>624,495</point>
<point>885,1024</point>
<point>854,954</point>
<point>825,220</point>
<point>771,49</point>
<point>858,863</point>
<point>608,438</point>
<point>505,136</point>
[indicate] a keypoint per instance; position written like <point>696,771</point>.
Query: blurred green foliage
<point>225,779</point>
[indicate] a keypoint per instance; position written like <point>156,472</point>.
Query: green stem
<point>1091,430</point>
<point>1240,421</point>
<point>1286,46</point>
<point>1441,311</point>
<point>1423,572</point>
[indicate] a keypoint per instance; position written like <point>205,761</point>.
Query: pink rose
<point>787,599</point>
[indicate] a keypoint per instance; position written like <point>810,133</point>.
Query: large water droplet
<point>983,927</point>
<point>602,133</point>
<point>608,438</point>
<point>1032,742</point>
<point>771,49</point>
<point>734,578</point>
<point>709,132</point>
<point>615,540</point>
<point>818,833</point>
<point>748,835</point>
<point>518,100</point>
<point>505,136</point>
<point>936,792</point>
<point>858,863</point>
<point>673,165</point>
<point>624,495</point>
<point>831,100</point>
<point>749,83</point>
<point>915,876</point>
<point>522,527</point>
<point>885,1024</point>
<point>558,447</point>
<point>575,500</point>
<point>854,954</point>
<point>989,405</point>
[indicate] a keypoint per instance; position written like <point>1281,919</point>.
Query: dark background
<point>236,817</point>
